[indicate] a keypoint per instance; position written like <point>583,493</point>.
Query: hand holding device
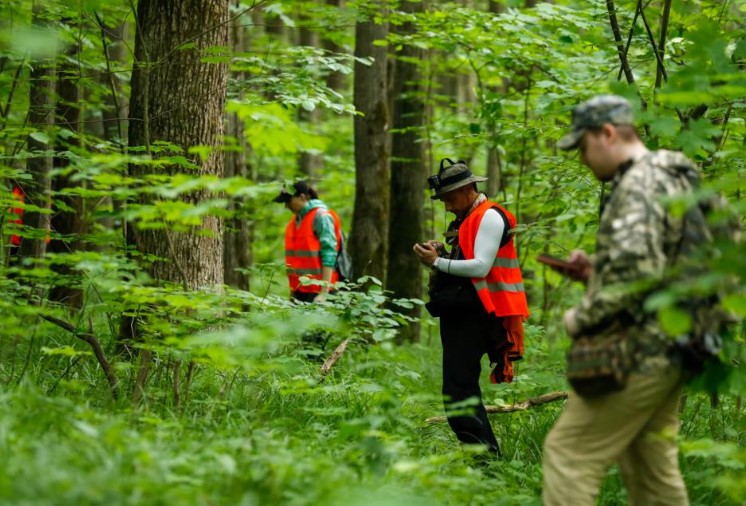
<point>558,263</point>
<point>577,268</point>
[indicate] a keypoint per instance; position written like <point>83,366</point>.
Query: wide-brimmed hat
<point>451,178</point>
<point>298,188</point>
<point>594,113</point>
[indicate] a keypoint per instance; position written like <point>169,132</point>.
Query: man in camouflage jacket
<point>636,242</point>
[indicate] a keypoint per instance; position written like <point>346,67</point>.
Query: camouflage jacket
<point>636,241</point>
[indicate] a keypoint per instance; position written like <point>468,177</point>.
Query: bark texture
<point>370,216</point>
<point>178,98</point>
<point>237,245</point>
<point>68,219</point>
<point>408,175</point>
<point>37,190</point>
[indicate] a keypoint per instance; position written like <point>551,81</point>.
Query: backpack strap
<point>506,229</point>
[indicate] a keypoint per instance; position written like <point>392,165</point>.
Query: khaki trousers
<point>635,427</point>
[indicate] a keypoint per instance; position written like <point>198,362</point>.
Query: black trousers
<point>303,296</point>
<point>466,337</point>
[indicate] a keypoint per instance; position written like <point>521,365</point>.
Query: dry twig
<point>329,362</point>
<point>97,350</point>
<point>518,406</point>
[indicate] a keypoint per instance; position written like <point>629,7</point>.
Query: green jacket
<point>323,227</point>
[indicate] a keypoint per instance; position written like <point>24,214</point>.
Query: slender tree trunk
<point>309,163</point>
<point>660,72</point>
<point>178,98</point>
<point>69,219</point>
<point>335,80</point>
<point>237,247</point>
<point>494,161</point>
<point>611,8</point>
<point>408,175</point>
<point>448,82</point>
<point>370,216</point>
<point>494,166</point>
<point>274,26</point>
<point>41,117</point>
<point>115,116</point>
<point>496,6</point>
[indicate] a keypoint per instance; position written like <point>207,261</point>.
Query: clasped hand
<point>428,252</point>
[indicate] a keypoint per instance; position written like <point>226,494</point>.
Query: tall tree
<point>237,237</point>
<point>179,98</point>
<point>494,160</point>
<point>370,217</point>
<point>41,117</point>
<point>68,219</point>
<point>408,172</point>
<point>308,161</point>
<point>335,80</point>
<point>115,52</point>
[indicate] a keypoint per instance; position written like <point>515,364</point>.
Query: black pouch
<point>450,295</point>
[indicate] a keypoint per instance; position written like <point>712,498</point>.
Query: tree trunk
<point>660,71</point>
<point>494,166</point>
<point>68,219</point>
<point>335,80</point>
<point>274,26</point>
<point>41,117</point>
<point>370,216</point>
<point>408,175</point>
<point>180,99</point>
<point>496,6</point>
<point>309,163</point>
<point>114,116</point>
<point>237,248</point>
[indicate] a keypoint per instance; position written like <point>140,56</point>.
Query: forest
<point>149,350</point>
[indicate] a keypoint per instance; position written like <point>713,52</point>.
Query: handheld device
<point>557,263</point>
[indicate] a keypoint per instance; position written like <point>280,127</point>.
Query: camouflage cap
<point>594,113</point>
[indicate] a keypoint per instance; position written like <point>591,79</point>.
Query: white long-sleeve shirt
<point>489,236</point>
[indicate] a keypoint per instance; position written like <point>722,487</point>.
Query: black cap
<point>299,188</point>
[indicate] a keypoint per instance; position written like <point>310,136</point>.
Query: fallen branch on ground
<point>97,350</point>
<point>329,362</point>
<point>518,406</point>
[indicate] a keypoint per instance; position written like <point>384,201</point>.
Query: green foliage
<point>231,406</point>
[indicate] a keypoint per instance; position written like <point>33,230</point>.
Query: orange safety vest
<point>501,291</point>
<point>303,251</point>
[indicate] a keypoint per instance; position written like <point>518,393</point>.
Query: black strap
<point>443,160</point>
<point>506,230</point>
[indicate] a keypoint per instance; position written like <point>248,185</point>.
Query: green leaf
<point>40,137</point>
<point>65,351</point>
<point>736,303</point>
<point>674,321</point>
<point>665,126</point>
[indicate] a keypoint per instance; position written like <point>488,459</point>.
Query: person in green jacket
<point>312,241</point>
